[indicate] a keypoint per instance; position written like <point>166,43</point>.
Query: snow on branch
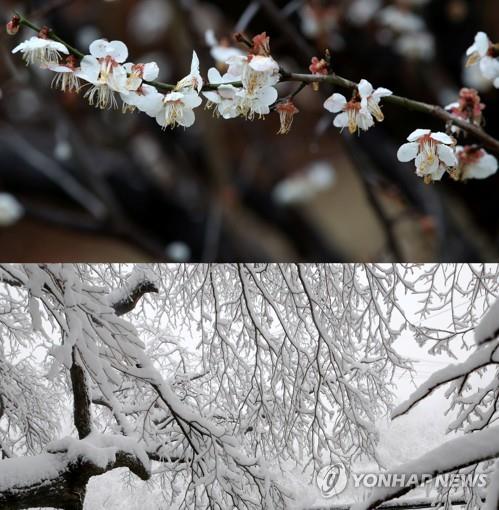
<point>58,478</point>
<point>484,356</point>
<point>451,456</point>
<point>125,299</point>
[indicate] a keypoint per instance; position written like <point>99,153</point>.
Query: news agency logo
<point>332,480</point>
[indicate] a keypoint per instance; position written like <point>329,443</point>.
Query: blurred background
<point>99,185</point>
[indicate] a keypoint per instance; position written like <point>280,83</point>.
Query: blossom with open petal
<point>479,48</point>
<point>258,75</point>
<point>138,94</point>
<point>176,108</point>
<point>193,80</point>
<point>224,98</point>
<point>39,50</point>
<point>139,72</point>
<point>434,153</point>
<point>474,163</point>
<point>103,69</point>
<point>66,75</point>
<point>146,98</point>
<point>482,51</point>
<point>371,98</point>
<point>351,113</point>
<point>256,104</point>
<point>259,72</point>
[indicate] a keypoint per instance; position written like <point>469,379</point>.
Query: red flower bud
<point>13,25</point>
<point>318,66</point>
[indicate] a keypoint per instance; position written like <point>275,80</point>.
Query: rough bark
<point>81,400</point>
<point>128,303</point>
<point>67,490</point>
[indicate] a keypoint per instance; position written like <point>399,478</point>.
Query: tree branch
<point>333,79</point>
<point>81,399</point>
<point>129,301</point>
<point>57,480</point>
<point>453,455</point>
<point>487,355</point>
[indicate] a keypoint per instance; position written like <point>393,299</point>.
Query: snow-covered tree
<point>222,380</point>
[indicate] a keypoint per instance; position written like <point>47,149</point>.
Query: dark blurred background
<point>100,185</point>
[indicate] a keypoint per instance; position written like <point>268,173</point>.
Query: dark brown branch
<point>81,399</point>
<point>128,303</point>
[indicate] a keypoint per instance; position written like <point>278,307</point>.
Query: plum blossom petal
<point>341,120</point>
<point>418,133</point>
<point>193,80</point>
<point>480,45</point>
<point>103,48</point>
<point>335,103</point>
<point>442,138</point>
<point>446,155</point>
<point>407,152</point>
<point>365,88</point>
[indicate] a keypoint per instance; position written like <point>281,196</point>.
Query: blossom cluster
<point>247,88</point>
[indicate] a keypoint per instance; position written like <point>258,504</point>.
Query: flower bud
<point>318,66</point>
<point>13,25</point>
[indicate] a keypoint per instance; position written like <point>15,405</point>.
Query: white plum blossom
<point>103,70</point>
<point>66,75</point>
<point>139,94</point>
<point>481,52</point>
<point>176,108</point>
<point>479,49</point>
<point>434,153</point>
<point>139,72</point>
<point>259,72</point>
<point>10,210</point>
<point>474,163</point>
<point>146,99</point>
<point>258,75</point>
<point>193,80</point>
<point>371,98</point>
<point>42,51</point>
<point>224,98</point>
<point>258,103</point>
<point>357,114</point>
<point>351,114</point>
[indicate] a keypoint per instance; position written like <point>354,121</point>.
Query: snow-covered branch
<point>487,355</point>
<point>451,456</point>
<point>58,478</point>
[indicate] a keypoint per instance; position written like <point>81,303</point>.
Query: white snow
<point>454,454</point>
<point>25,471</point>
